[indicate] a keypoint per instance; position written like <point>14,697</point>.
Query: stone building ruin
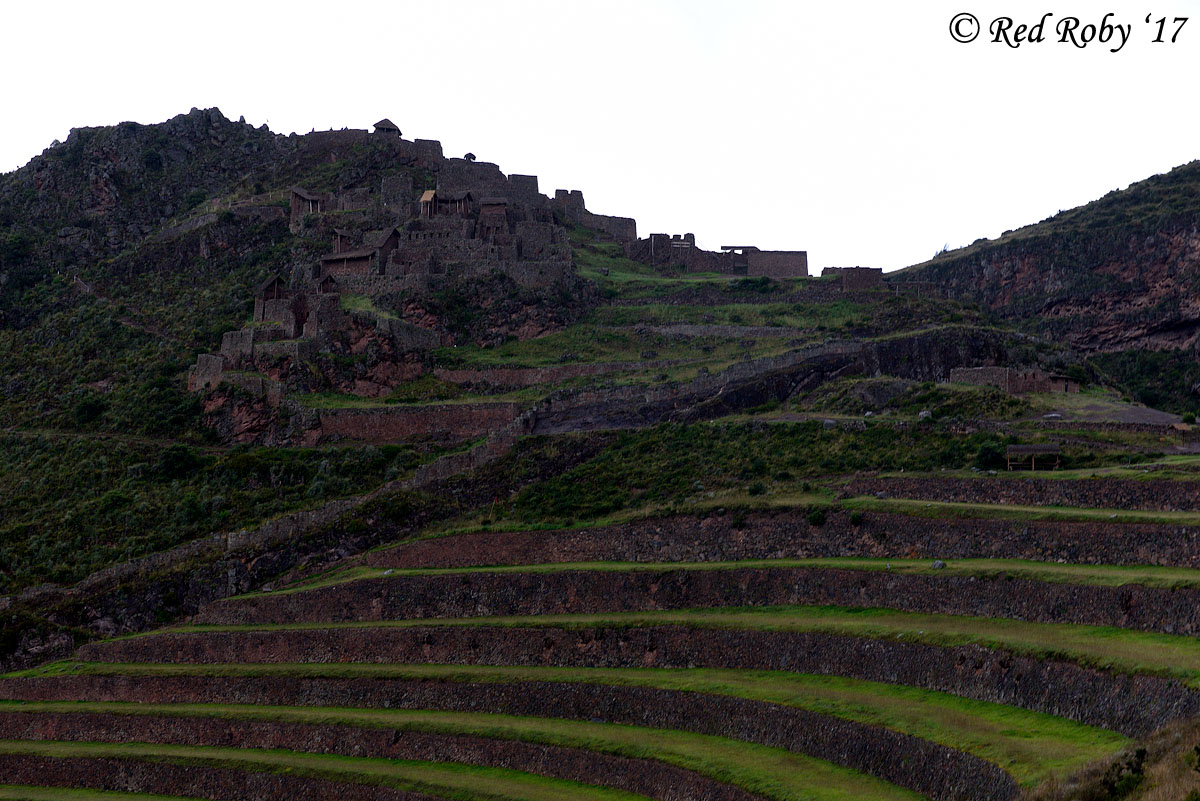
<point>679,252</point>
<point>856,279</point>
<point>1013,380</point>
<point>473,223</point>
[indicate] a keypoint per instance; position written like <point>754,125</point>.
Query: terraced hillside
<point>688,656</point>
<point>639,534</point>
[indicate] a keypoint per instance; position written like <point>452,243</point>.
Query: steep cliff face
<point>1122,272</point>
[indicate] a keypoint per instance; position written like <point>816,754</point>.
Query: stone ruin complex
<point>435,222</point>
<point>474,222</point>
<point>1015,381</point>
<point>679,252</point>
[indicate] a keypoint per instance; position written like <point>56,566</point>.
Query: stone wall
<point>932,770</point>
<point>482,178</point>
<point>787,533</point>
<point>525,188</point>
<point>677,251</point>
<point>399,423</point>
<point>641,776</point>
<point>1132,704</point>
<point>743,385</point>
<point>856,279</point>
<point>731,331</point>
<point>1014,381</point>
<point>206,372</point>
<point>187,780</point>
<point>516,377</point>
<point>258,386</point>
<point>777,263</point>
<point>405,336</point>
<point>981,376</point>
<point>254,342</point>
<point>621,229</point>
<point>1097,493</point>
<point>1171,611</point>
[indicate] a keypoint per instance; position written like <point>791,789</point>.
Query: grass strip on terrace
<point>444,779</point>
<point>1104,647</point>
<point>770,772</point>
<point>1178,467</point>
<point>1004,511</point>
<point>1050,572</point>
<point>24,792</point>
<point>795,495</point>
<point>1031,746</point>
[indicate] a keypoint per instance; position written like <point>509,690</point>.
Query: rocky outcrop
<point>924,355</point>
<point>1115,274</point>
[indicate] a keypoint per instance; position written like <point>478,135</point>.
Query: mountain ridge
<point>1119,273</point>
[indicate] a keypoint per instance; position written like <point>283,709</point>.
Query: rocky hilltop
<point>1120,273</point>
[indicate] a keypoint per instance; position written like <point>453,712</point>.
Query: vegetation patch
<point>674,464</point>
<point>71,505</point>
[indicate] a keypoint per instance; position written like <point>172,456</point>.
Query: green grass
<point>1005,511</point>
<point>1098,575</point>
<point>589,343</point>
<point>16,792</point>
<point>1029,745</point>
<point>627,278</point>
<point>1178,467</point>
<point>71,504</point>
<point>341,400</point>
<point>814,316</point>
<point>771,772</point>
<point>1099,646</point>
<point>437,778</point>
<point>673,464</point>
<point>363,303</point>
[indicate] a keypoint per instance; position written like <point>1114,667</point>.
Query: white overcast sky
<point>859,131</point>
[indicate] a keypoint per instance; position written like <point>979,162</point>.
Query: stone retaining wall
<point>1132,704</point>
<point>731,331</point>
<point>930,769</point>
<point>1172,611</point>
<point>645,777</point>
<point>787,533</point>
<point>187,780</point>
<point>1096,493</point>
<point>400,423</point>
<point>518,377</point>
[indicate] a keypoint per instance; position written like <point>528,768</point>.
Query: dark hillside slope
<point>104,189</point>
<point>1119,273</point>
